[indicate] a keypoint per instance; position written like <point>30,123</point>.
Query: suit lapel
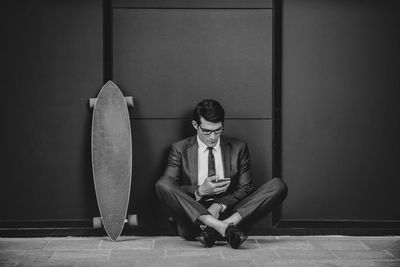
<point>193,160</point>
<point>226,157</point>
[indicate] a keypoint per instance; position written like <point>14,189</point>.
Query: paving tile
<point>105,264</point>
<point>80,255</point>
<point>387,263</point>
<point>24,256</point>
<point>132,237</point>
<point>128,243</point>
<point>263,237</point>
<point>162,237</point>
<point>303,254</point>
<point>165,263</point>
<point>174,251</point>
<point>178,243</point>
<point>293,263</point>
<point>261,254</point>
<point>319,263</point>
<point>132,255</point>
<point>381,244</point>
<point>286,244</point>
<point>362,263</point>
<point>227,263</point>
<point>209,260</point>
<point>22,244</point>
<point>394,252</point>
<point>193,253</point>
<point>46,264</point>
<point>335,244</point>
<point>363,255</point>
<point>336,237</point>
<point>193,262</point>
<point>378,239</point>
<point>194,256</point>
<point>301,237</point>
<point>73,244</point>
<point>248,244</point>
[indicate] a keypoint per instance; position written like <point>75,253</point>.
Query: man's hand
<point>210,187</point>
<point>215,209</point>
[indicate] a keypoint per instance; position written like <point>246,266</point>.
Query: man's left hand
<point>215,209</point>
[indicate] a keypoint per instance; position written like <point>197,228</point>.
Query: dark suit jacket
<point>183,161</point>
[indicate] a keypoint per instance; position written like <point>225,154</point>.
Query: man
<point>207,187</point>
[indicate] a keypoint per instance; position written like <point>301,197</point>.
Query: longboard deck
<point>112,157</point>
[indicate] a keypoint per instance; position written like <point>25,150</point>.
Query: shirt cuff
<point>196,194</point>
<point>223,207</point>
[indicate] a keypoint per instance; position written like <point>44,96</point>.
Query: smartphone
<point>220,180</point>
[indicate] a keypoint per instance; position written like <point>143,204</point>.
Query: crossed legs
<point>189,214</point>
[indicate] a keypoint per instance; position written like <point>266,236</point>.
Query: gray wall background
<point>340,124</point>
<point>340,110</point>
<point>51,62</point>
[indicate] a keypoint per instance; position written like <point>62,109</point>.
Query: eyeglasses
<point>208,132</point>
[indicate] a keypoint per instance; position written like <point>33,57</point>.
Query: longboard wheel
<point>92,102</point>
<point>97,223</point>
<point>133,220</point>
<point>129,101</point>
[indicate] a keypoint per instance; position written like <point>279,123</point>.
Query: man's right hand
<point>210,187</point>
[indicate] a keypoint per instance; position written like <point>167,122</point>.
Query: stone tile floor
<point>175,252</point>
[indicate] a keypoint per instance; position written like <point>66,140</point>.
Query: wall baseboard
<point>59,228</point>
<point>338,224</point>
<point>337,227</point>
<point>34,224</point>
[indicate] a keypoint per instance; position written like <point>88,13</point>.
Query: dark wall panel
<point>51,63</point>
<point>184,55</point>
<point>193,4</point>
<point>169,60</point>
<point>155,137</point>
<point>340,96</point>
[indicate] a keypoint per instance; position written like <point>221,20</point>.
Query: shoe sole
<point>243,239</point>
<point>203,241</point>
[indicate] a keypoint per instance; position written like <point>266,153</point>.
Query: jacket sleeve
<point>174,170</point>
<point>243,187</point>
<point>174,165</point>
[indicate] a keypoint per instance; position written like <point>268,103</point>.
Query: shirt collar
<point>203,147</point>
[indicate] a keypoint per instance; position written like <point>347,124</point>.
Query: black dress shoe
<point>234,236</point>
<point>207,237</point>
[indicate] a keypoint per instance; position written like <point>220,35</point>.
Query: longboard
<point>112,158</point>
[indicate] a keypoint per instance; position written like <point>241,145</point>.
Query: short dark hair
<point>210,110</point>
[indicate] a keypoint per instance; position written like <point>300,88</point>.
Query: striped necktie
<point>211,162</point>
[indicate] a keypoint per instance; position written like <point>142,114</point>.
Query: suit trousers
<point>185,210</point>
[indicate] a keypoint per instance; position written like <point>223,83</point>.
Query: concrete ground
<point>175,252</point>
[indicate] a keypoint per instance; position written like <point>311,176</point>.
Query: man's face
<point>208,132</point>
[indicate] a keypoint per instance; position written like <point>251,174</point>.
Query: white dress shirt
<point>203,161</point>
<point>202,164</point>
